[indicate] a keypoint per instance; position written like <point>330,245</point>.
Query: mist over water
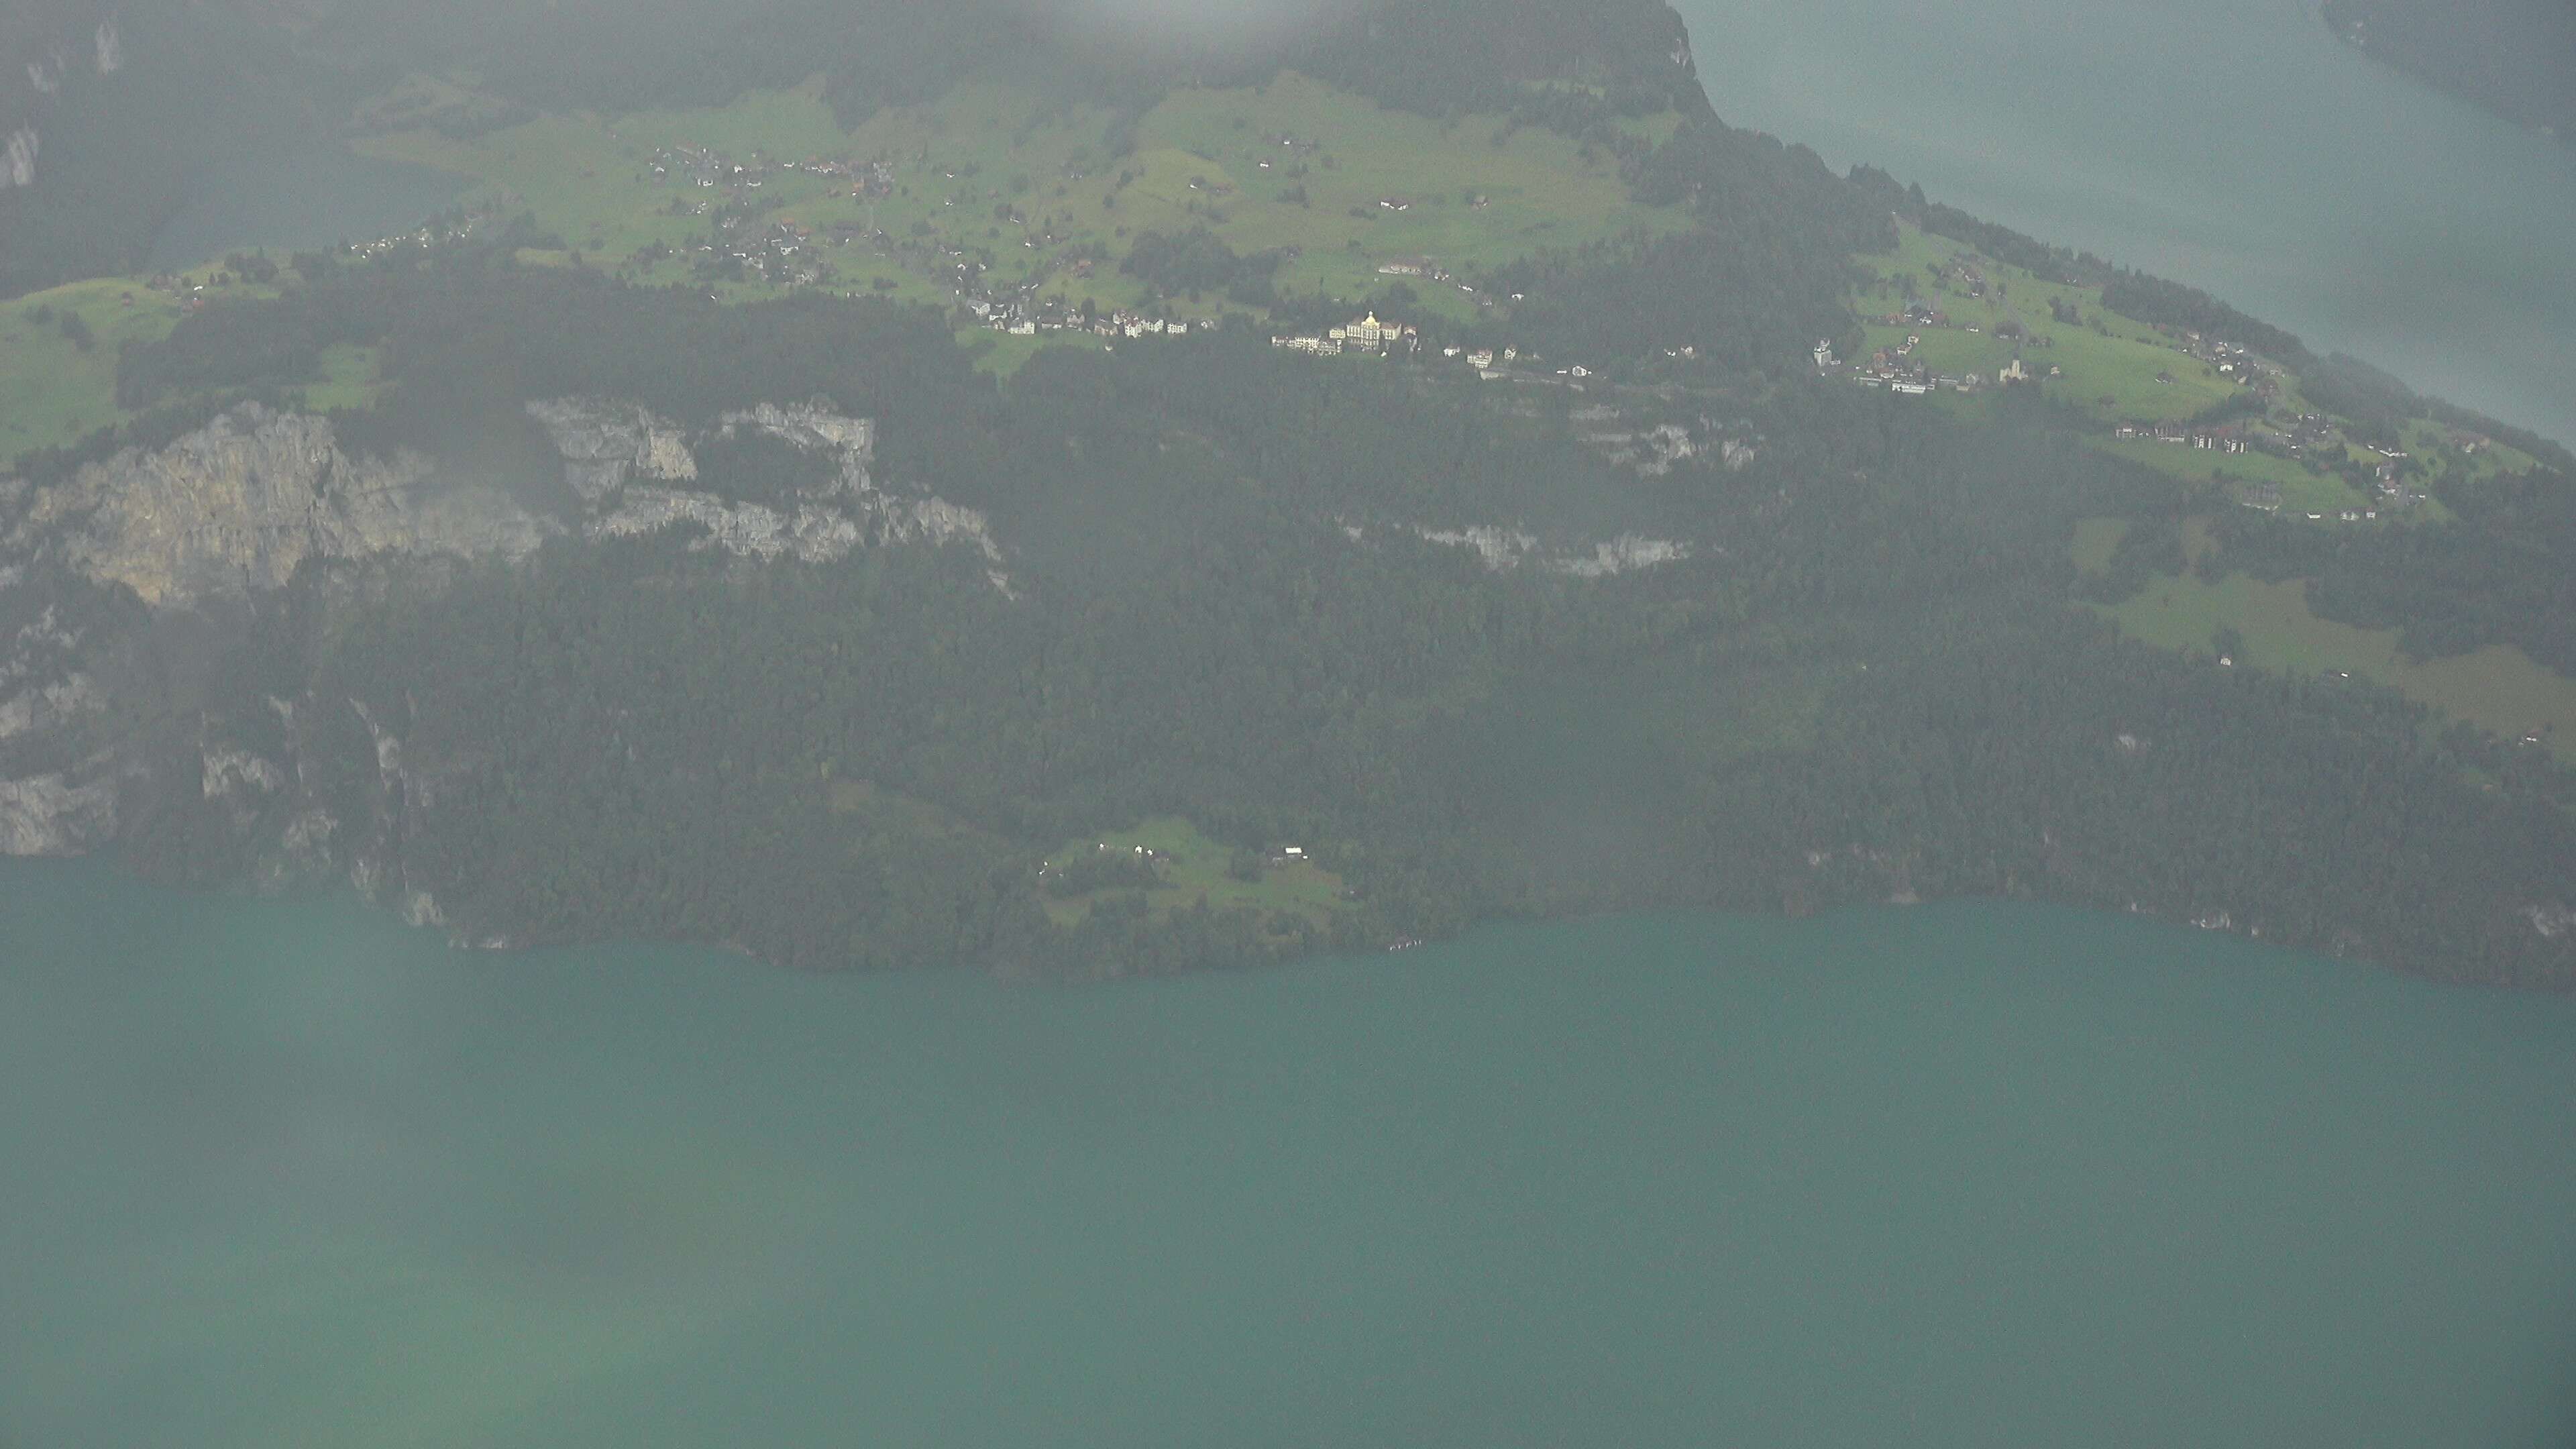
<point>316,196</point>
<point>2233,144</point>
<point>287,1174</point>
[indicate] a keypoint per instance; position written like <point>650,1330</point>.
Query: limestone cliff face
<point>56,797</point>
<point>1509,548</point>
<point>228,511</point>
<point>233,511</point>
<point>605,443</point>
<point>816,429</point>
<point>58,813</point>
<point>238,505</point>
<point>622,461</point>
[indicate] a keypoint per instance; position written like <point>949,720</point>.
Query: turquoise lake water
<point>2233,144</point>
<point>283,1173</point>
<point>300,200</point>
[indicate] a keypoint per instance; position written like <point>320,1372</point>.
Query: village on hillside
<point>2140,388</point>
<point>1028,245</point>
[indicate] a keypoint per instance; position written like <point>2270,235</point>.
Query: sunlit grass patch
<point>2112,368</point>
<point>2499,687</point>
<point>2303,490</point>
<point>52,390</point>
<point>1188,867</point>
<point>991,175</point>
<point>348,380</point>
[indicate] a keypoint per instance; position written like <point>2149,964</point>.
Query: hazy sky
<point>1194,22</point>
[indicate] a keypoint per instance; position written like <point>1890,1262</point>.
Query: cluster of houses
<point>781,253</point>
<point>1423,267</point>
<point>1916,314</point>
<point>1964,277</point>
<point>708,169</point>
<point>1027,317</point>
<point>2393,489</point>
<point>2267,497</point>
<point>1365,335</point>
<point>2309,437</point>
<point>2226,439</point>
<point>2304,435</point>
<point>1895,369</point>
<point>2305,438</point>
<point>1488,362</point>
<point>424,237</point>
<point>2230,360</point>
<point>693,165</point>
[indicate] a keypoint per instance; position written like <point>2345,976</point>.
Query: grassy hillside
<point>997,177</point>
<point>2113,368</point>
<point>2303,489</point>
<point>2105,370</point>
<point>53,392</point>
<point>2498,688</point>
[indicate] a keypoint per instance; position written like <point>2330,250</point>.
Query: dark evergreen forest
<point>1870,677</point>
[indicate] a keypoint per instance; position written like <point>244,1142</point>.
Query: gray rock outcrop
<point>621,460</point>
<point>1508,548</point>
<point>604,444</point>
<point>59,813</point>
<point>233,510</point>
<point>236,506</point>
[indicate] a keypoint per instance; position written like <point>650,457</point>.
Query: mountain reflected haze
<point>1286,723</point>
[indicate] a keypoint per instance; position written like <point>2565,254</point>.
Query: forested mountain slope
<point>993,495</point>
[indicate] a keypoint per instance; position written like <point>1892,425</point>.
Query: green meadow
<point>2303,489</point>
<point>52,391</point>
<point>2113,368</point>
<point>995,173</point>
<point>2448,463</point>
<point>1379,184</point>
<point>1194,869</point>
<point>55,393</point>
<point>2499,687</point>
<point>349,380</point>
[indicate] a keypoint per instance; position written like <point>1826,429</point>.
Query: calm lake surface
<point>298,201</point>
<point>286,1174</point>
<point>2233,144</point>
